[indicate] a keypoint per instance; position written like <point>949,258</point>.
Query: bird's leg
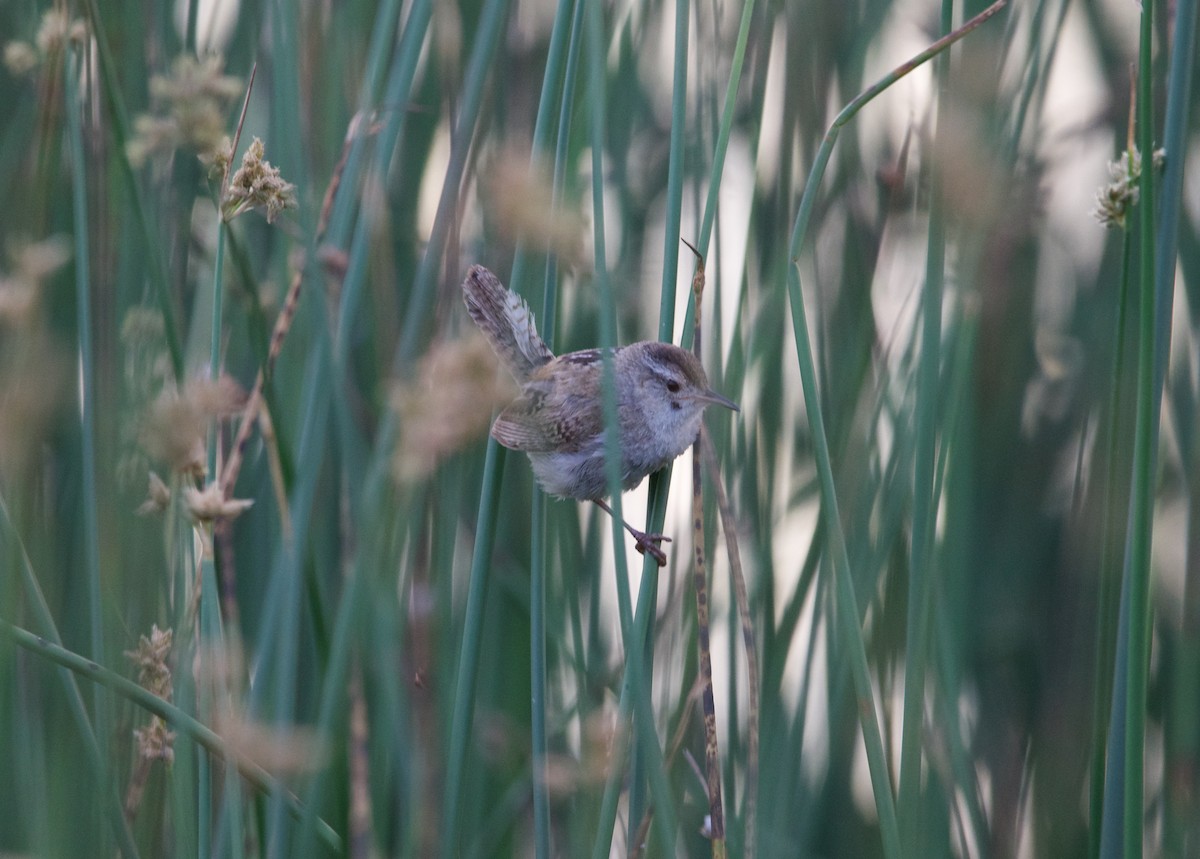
<point>645,542</point>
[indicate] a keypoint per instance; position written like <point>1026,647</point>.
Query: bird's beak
<point>711,396</point>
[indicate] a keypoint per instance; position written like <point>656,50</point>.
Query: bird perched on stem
<point>558,419</point>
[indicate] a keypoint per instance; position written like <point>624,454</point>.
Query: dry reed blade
<point>749,639</point>
<point>712,760</point>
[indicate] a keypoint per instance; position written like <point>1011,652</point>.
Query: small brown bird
<point>558,420</point>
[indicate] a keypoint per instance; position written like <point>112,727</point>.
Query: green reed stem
<point>1181,725</point>
<point>539,554</point>
<point>398,93</point>
<point>1110,593</point>
<point>539,551</point>
<point>646,732</point>
<point>87,377</point>
<point>675,173</point>
<point>161,284</point>
<point>809,198</point>
<point>1179,107</point>
<point>210,620</point>
<point>849,629</point>
<point>487,36</point>
<point>49,633</point>
<point>472,642</point>
<point>1144,443</point>
<point>725,129</point>
<point>925,503</point>
<point>407,55</point>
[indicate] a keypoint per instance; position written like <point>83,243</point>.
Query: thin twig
<point>705,452</point>
<point>283,324</point>
<point>223,548</point>
<point>700,581</point>
<point>237,135</point>
<point>749,639</point>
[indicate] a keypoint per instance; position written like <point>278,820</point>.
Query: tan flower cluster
<point>32,264</point>
<point>190,106</point>
<point>257,185</point>
<point>56,31</point>
<point>20,58</point>
<point>175,426</point>
<point>602,742</point>
<point>34,366</point>
<point>520,202</point>
<point>1115,199</point>
<point>218,160</point>
<point>210,504</point>
<point>449,403</point>
<point>146,370</point>
<point>150,657</point>
<point>279,750</point>
<point>220,673</point>
<point>154,741</point>
<point>158,496</point>
<point>142,325</point>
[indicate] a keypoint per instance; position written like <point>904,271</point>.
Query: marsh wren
<point>558,419</point>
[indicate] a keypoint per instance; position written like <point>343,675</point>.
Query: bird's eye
<point>673,386</point>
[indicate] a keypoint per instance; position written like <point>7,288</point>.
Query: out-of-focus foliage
<point>371,676</point>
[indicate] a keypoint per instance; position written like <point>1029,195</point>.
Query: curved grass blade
<point>41,610</point>
<point>171,714</point>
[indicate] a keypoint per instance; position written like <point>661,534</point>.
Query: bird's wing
<point>518,428</point>
<point>549,416</point>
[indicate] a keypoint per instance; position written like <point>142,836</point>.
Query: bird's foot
<point>648,544</point>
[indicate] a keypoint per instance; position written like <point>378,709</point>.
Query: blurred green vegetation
<point>358,643</point>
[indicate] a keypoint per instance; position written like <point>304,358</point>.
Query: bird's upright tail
<point>506,321</point>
